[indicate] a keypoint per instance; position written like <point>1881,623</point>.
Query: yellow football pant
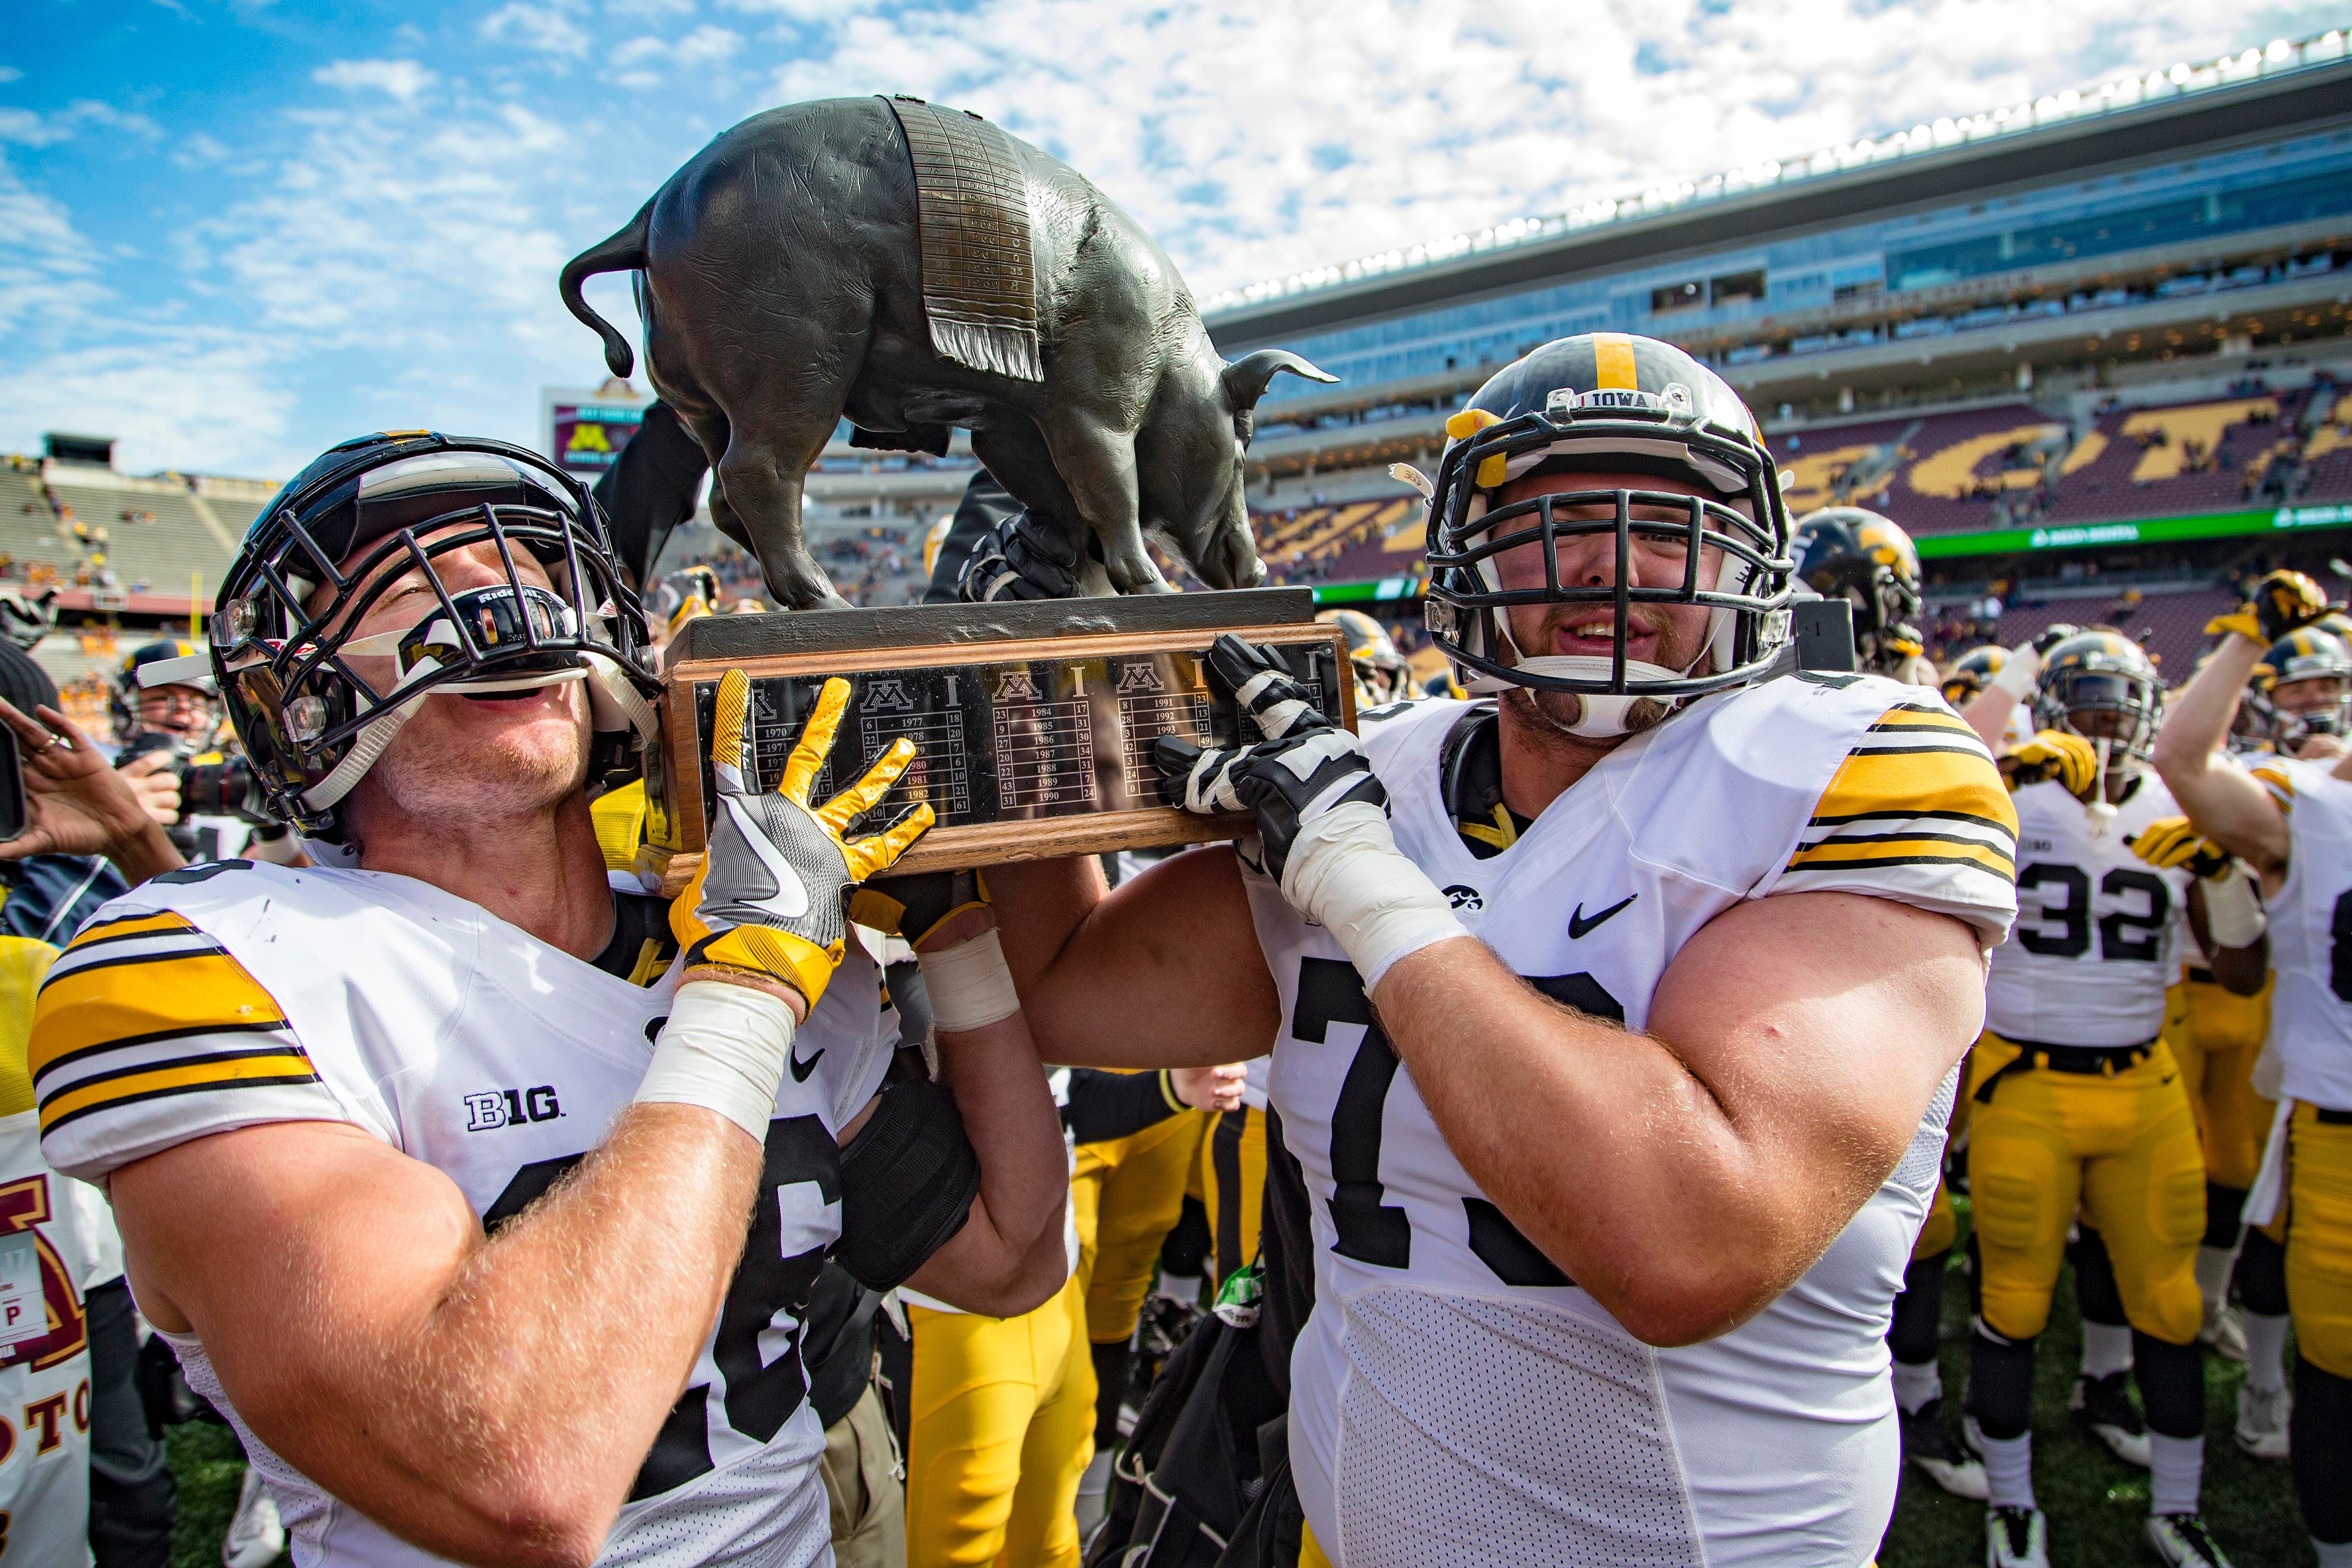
<point>1127,1193</point>
<point>2319,1239</point>
<point>1942,1225</point>
<point>2216,1050</point>
<point>1003,1424</point>
<point>1233,1183</point>
<point>2124,1148</point>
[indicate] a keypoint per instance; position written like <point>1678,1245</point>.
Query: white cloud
<point>28,128</point>
<point>196,150</point>
<point>802,10</point>
<point>1253,137</point>
<point>403,79</point>
<point>546,28</point>
<point>637,58</point>
<point>364,264</point>
<point>10,73</point>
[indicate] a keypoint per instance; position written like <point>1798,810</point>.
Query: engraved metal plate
<point>1025,749</point>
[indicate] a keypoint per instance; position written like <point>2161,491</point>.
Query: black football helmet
<point>1848,552</point>
<point>302,580</point>
<point>2095,673</point>
<point>1608,403</point>
<point>2306,653</point>
<point>1972,672</point>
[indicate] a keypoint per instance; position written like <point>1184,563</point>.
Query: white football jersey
<point>2098,929</point>
<point>1455,1398</point>
<point>2311,933</point>
<point>235,994</point>
<point>50,1253</point>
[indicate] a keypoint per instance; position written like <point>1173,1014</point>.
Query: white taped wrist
<point>724,1049</point>
<point>2234,911</point>
<point>2018,674</point>
<point>968,984</point>
<point>1346,873</point>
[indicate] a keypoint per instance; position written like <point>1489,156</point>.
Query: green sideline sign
<point>2140,530</point>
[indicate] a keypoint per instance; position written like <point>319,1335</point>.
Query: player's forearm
<point>2222,802</point>
<point>1040,904</point>
<point>1988,714</point>
<point>1163,972</point>
<point>535,1384</point>
<point>1009,1257</point>
<point>1607,1152</point>
<point>2197,717</point>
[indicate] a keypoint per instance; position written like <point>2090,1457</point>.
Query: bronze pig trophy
<point>913,267</point>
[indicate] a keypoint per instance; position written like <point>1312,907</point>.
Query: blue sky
<point>233,231</point>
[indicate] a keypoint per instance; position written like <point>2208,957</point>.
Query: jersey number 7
<point>1365,1226</point>
<point>761,1394</point>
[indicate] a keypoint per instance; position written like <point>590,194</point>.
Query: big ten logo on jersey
<point>496,1108</point>
<point>41,1319</point>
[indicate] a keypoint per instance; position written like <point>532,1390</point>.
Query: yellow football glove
<point>769,899</point>
<point>2054,753</point>
<point>2170,844</point>
<point>2282,602</point>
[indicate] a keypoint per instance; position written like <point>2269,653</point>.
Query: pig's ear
<point>1245,379</point>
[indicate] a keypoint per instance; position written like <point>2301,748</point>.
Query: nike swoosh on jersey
<point>790,900</point>
<point>801,1069</point>
<point>1578,925</point>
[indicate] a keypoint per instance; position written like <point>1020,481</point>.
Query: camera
<point>208,789</point>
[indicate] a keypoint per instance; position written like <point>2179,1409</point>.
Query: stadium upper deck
<point>2200,208</point>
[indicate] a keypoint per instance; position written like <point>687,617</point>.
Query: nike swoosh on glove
<point>777,871</point>
<point>1021,558</point>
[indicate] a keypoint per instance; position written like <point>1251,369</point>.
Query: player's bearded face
<point>1673,636</point>
<point>463,756</point>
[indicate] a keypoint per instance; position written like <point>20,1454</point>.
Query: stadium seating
<point>153,534</point>
<point>2176,460</point>
<point>1358,541</point>
<point>2172,627</point>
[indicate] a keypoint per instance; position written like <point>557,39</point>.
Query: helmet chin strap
<point>1603,715</point>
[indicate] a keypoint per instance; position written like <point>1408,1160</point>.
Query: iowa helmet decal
<point>1608,403</point>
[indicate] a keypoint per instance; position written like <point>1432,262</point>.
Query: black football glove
<point>1305,767</point>
<point>1020,558</point>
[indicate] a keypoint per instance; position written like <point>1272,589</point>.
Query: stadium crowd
<point>1328,1197</point>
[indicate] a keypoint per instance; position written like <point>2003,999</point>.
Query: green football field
<point>2097,1503</point>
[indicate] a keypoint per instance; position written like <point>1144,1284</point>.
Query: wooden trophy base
<point>1032,723</point>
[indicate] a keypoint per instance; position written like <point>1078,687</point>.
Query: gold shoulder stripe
<point>122,928</point>
<point>259,1069</point>
<point>106,1004</point>
<point>1904,849</point>
<point>2276,778</point>
<point>1911,782</point>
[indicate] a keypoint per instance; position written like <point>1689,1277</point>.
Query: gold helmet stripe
<point>1612,361</point>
